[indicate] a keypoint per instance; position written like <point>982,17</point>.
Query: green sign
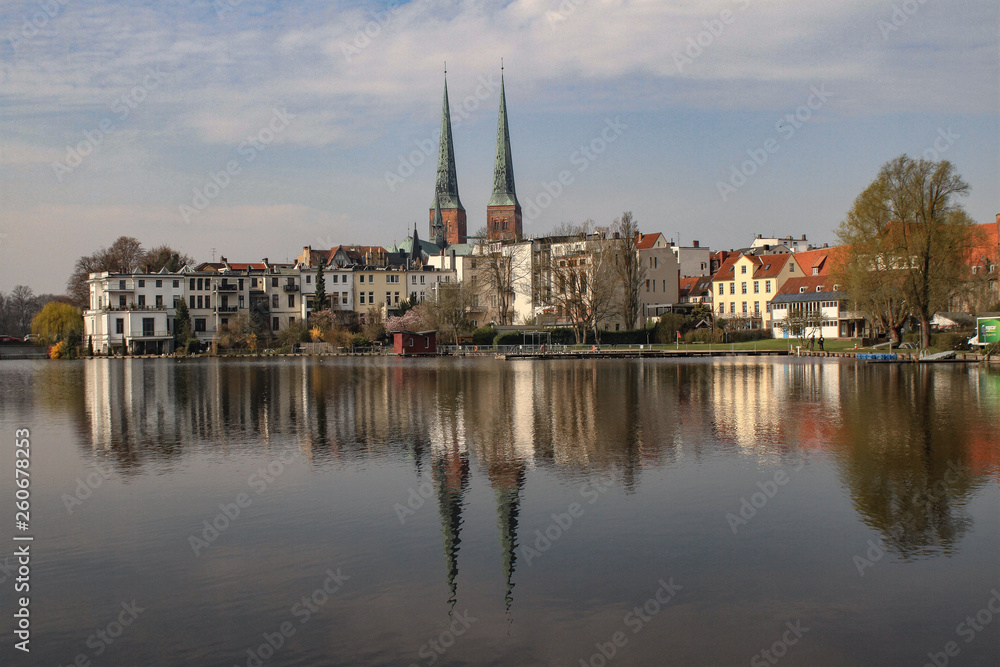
<point>988,329</point>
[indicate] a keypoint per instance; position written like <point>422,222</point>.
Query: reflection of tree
<point>905,459</point>
<point>451,477</point>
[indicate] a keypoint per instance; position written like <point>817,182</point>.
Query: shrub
<point>484,335</point>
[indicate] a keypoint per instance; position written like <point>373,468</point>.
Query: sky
<point>252,128</point>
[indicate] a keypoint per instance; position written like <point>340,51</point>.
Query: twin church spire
<point>503,213</point>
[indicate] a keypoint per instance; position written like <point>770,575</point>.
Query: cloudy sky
<point>255,127</point>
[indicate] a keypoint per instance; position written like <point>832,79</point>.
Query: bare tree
<point>504,269</point>
<point>163,257</point>
<point>628,266</point>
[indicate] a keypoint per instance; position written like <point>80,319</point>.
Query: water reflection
<point>911,444</point>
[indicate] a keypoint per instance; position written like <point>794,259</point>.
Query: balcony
<point>149,333</point>
<point>225,287</point>
<point>290,288</point>
<point>227,309</point>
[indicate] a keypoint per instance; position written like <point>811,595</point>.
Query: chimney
<point>803,237</point>
<point>695,244</point>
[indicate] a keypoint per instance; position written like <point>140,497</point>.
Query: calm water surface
<point>398,512</point>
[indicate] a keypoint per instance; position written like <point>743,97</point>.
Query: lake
<point>382,511</point>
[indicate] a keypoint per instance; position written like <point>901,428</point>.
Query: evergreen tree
<point>319,300</point>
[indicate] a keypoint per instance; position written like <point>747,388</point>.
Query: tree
<point>124,256</point>
<point>909,241</point>
<point>506,267</point>
<point>164,257</point>
<point>319,299</point>
<point>182,326</point>
<point>22,305</point>
<point>374,328</point>
<point>628,266</point>
<point>450,308</point>
<point>57,322</point>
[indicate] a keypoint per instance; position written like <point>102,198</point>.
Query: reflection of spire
<point>451,474</point>
<point>508,507</point>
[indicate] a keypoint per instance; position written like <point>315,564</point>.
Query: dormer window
<point>802,290</point>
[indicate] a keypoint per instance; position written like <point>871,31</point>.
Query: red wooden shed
<point>407,343</point>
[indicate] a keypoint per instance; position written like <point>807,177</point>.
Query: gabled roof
<point>771,265</point>
<point>810,283</point>
<point>646,241</point>
<point>696,286</point>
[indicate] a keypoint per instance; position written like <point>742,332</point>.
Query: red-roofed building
<point>983,261</point>
<point>813,306</point>
<point>744,285</point>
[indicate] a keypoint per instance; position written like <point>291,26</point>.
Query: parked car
<point>4,338</point>
<point>31,338</point>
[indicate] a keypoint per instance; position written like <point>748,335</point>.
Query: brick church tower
<point>447,210</point>
<point>503,213</point>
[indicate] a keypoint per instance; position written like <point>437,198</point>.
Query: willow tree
<point>908,241</point>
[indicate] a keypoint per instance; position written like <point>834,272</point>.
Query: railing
<point>290,288</point>
<point>122,309</point>
<point>225,287</point>
<point>227,309</point>
<point>148,334</point>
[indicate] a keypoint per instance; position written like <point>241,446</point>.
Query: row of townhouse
<point>139,309</point>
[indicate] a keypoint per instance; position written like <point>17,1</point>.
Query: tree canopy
<point>56,322</point>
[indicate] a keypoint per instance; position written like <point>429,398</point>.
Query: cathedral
<point>448,222</point>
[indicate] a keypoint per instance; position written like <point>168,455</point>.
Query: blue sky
<point>315,117</point>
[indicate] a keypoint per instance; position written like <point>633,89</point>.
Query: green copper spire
<point>446,191</point>
<point>503,168</point>
<point>437,225</point>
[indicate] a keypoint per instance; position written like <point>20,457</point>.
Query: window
<point>791,267</point>
<point>732,307</point>
<point>343,298</point>
<point>371,297</point>
<point>274,324</point>
<point>274,281</point>
<point>208,301</point>
<point>177,283</point>
<point>199,324</point>
<point>722,308</point>
<point>334,278</point>
<point>388,298</point>
<point>744,307</point>
<point>199,283</point>
<point>743,269</point>
<point>291,320</point>
<point>361,278</point>
<point>732,288</point>
<point>362,295</point>
<point>200,300</point>
<point>142,300</point>
<point>392,279</point>
<point>191,298</point>
<point>647,284</point>
<point>395,297</point>
<point>743,288</point>
<point>192,285</point>
<point>413,279</point>
<point>274,301</point>
<point>142,283</point>
<point>119,325</point>
<point>756,307</point>
<point>225,321</point>
<point>767,287</point>
<point>148,326</point>
<point>159,283</point>
<point>422,280</point>
<point>291,300</point>
<point>756,287</point>
<point>159,301</point>
<point>121,284</point>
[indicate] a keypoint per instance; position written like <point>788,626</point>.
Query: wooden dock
<point>636,354</point>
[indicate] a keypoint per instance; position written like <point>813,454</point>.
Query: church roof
<point>503,167</point>
<point>446,189</point>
